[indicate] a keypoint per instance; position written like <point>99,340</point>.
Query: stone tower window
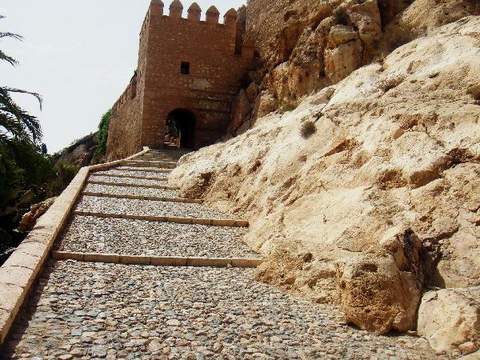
<point>185,68</point>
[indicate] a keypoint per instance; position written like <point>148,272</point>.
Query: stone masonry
<point>188,69</point>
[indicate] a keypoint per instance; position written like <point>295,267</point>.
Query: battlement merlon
<point>230,24</point>
<point>194,13</point>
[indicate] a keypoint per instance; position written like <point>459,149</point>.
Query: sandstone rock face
<point>240,110</point>
<point>307,45</point>
<point>381,291</point>
<point>81,152</point>
<point>344,54</point>
<point>395,156</point>
<point>423,16</point>
<point>450,319</point>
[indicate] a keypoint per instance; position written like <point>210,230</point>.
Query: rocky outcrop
<point>450,319</point>
<point>423,16</point>
<point>381,200</point>
<point>306,45</point>
<point>81,152</point>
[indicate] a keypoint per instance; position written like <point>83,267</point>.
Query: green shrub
<point>102,135</point>
<point>64,174</point>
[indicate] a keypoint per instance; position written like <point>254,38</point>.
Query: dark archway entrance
<point>180,129</point>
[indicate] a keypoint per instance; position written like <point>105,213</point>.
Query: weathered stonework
<point>187,65</point>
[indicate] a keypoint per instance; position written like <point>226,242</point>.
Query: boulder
<point>450,319</point>
<point>381,292</point>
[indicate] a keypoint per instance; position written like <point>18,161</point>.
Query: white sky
<point>79,55</point>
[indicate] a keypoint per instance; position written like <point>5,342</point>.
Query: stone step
<point>154,164</point>
<point>160,156</point>
<point>174,219</point>
<point>96,310</point>
<point>129,176</point>
<point>122,184</point>
<point>128,190</point>
<point>128,181</point>
<point>143,197</point>
<point>133,207</point>
<point>91,234</point>
<point>143,169</point>
<point>156,260</point>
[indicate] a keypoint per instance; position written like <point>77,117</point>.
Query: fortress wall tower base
<point>188,74</point>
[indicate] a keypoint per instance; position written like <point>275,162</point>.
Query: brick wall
<point>216,72</point>
<point>125,131</point>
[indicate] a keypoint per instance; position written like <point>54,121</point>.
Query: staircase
<point>140,273</point>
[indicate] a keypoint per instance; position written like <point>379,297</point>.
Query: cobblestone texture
<point>106,311</point>
<point>147,169</point>
<point>117,180</point>
<point>134,237</point>
<point>133,312</point>
<point>156,176</point>
<point>123,190</point>
<point>145,207</point>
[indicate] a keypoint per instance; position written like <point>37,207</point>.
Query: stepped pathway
<point>91,309</point>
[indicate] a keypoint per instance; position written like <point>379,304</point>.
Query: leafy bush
<point>27,174</point>
<point>64,174</point>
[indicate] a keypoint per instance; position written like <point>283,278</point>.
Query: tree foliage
<point>14,121</point>
<point>27,175</point>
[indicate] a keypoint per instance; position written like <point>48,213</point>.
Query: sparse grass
<point>287,107</point>
<point>474,91</point>
<point>341,16</point>
<point>307,129</point>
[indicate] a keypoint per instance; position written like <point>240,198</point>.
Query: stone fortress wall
<point>184,64</point>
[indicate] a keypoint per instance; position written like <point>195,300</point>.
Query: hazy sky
<point>79,55</point>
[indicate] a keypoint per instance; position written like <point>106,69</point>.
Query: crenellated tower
<point>189,71</point>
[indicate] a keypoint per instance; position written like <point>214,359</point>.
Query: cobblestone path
<point>86,310</point>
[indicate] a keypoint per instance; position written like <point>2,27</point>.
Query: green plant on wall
<point>102,135</point>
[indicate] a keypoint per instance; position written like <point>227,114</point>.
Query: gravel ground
<point>135,237</point>
<point>156,176</point>
<point>146,207</point>
<point>131,312</point>
<point>121,190</point>
<point>116,180</point>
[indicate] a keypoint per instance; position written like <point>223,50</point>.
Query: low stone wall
<point>18,274</point>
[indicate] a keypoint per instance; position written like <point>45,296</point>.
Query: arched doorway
<point>180,129</point>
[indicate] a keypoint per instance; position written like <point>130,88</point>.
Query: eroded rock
<point>381,292</point>
<point>450,319</point>
<point>396,147</point>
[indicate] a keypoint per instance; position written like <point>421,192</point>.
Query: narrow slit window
<point>185,68</point>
